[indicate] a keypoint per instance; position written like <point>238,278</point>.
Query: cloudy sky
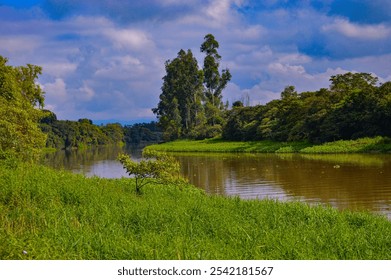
<point>104,59</point>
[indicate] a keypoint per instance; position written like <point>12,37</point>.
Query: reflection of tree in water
<point>361,182</point>
<point>344,181</point>
<point>84,159</point>
<point>207,173</point>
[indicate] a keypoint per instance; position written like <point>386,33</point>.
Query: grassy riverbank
<point>363,145</point>
<point>49,214</point>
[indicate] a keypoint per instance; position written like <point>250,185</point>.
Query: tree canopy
<point>20,95</point>
<point>191,99</point>
<point>353,106</point>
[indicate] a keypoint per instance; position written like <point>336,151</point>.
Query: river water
<point>356,182</point>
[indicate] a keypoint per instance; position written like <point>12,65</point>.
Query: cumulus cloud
<point>16,44</point>
<point>359,31</point>
<point>128,38</point>
<point>57,89</point>
<point>105,59</point>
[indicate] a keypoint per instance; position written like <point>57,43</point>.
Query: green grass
<point>363,145</point>
<point>218,145</point>
<point>58,215</point>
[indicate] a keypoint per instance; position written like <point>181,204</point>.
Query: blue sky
<point>104,59</point>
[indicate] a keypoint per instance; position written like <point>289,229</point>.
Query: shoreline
<point>377,144</point>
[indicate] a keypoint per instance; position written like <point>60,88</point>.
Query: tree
<point>180,107</point>
<point>26,76</point>
<point>20,135</point>
<point>155,165</point>
<point>214,82</point>
<point>191,100</point>
<point>289,92</point>
<point>350,81</point>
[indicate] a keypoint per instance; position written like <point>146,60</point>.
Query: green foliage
<point>214,81</point>
<point>19,94</point>
<point>55,215</point>
<point>79,134</point>
<point>190,104</point>
<point>140,133</point>
<point>160,166</point>
<point>362,145</point>
<point>353,107</point>
<point>179,107</point>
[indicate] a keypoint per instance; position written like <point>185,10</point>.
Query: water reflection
<point>98,161</point>
<point>358,182</point>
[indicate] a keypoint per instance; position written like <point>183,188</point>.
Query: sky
<point>104,59</point>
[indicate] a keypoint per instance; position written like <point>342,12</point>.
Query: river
<point>356,182</point>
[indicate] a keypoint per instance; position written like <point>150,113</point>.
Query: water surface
<point>356,182</point>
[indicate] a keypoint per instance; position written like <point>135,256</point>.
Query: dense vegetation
<point>191,104</point>
<point>48,214</point>
<point>353,107</point>
<point>65,134</point>
<point>142,133</point>
<point>20,102</point>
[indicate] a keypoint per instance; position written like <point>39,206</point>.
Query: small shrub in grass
<point>154,165</point>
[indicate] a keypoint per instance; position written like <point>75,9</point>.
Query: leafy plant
<point>154,165</point>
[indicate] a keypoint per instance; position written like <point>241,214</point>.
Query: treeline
<point>26,128</point>
<point>65,134</point>
<point>354,106</point>
<point>141,133</point>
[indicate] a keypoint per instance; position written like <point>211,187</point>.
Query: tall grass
<point>363,145</point>
<point>48,214</point>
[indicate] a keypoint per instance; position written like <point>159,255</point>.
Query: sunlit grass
<point>363,145</point>
<point>48,214</point>
<point>218,145</point>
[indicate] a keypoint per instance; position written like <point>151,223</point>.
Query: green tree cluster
<point>140,133</point>
<point>352,107</point>
<point>65,134</point>
<point>21,100</point>
<point>191,100</point>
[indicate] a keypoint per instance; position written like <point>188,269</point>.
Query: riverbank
<point>363,145</point>
<point>49,214</point>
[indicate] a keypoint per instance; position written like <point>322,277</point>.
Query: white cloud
<point>58,87</point>
<point>128,38</point>
<point>294,58</point>
<point>358,31</point>
<point>85,93</point>
<point>107,66</point>
<point>59,69</point>
<point>20,44</point>
<point>286,69</point>
<point>55,94</point>
<point>121,68</point>
<point>216,14</point>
